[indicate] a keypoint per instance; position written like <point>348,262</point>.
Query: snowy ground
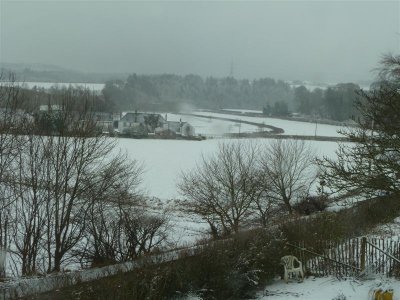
<point>244,110</point>
<point>164,160</point>
<point>389,230</point>
<point>290,127</point>
<point>328,288</point>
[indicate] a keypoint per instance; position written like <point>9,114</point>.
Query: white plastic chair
<point>288,262</point>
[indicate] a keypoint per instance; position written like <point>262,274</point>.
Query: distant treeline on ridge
<point>276,97</point>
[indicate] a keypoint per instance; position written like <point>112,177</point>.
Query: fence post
<point>363,253</point>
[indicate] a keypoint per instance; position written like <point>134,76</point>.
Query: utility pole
<point>316,123</point>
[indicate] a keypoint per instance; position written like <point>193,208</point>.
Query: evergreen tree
<point>371,166</point>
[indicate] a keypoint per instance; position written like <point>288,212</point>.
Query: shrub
<point>229,269</point>
<point>234,268</point>
<point>346,223</point>
<point>311,204</point>
<point>323,226</point>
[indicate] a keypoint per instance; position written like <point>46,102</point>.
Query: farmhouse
<point>141,124</point>
<point>138,123</point>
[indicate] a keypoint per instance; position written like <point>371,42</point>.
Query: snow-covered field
<point>165,159</point>
<point>244,110</point>
<point>290,127</point>
<point>329,288</point>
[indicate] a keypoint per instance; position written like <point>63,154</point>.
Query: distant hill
<point>33,66</point>
<point>53,73</point>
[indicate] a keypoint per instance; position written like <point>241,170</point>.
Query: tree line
<point>51,73</point>
<point>335,103</point>
<point>274,97</point>
<point>168,92</point>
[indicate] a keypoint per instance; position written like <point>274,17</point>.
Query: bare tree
<point>122,233</point>
<point>28,209</point>
<point>143,231</point>
<point>222,188</point>
<point>288,169</point>
<point>108,192</point>
<point>70,153</point>
<point>59,179</point>
<point>264,205</point>
<point>10,121</point>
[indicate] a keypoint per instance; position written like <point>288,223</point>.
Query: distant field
<point>290,127</point>
<point>47,85</point>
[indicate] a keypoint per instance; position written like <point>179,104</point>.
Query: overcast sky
<point>324,41</point>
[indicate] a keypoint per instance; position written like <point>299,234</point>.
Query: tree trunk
<point>287,204</point>
<point>57,262</point>
<point>2,263</point>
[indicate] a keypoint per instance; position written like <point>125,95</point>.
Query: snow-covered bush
<point>311,204</point>
<point>323,226</point>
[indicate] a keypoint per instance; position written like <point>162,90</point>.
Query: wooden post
<point>363,253</point>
